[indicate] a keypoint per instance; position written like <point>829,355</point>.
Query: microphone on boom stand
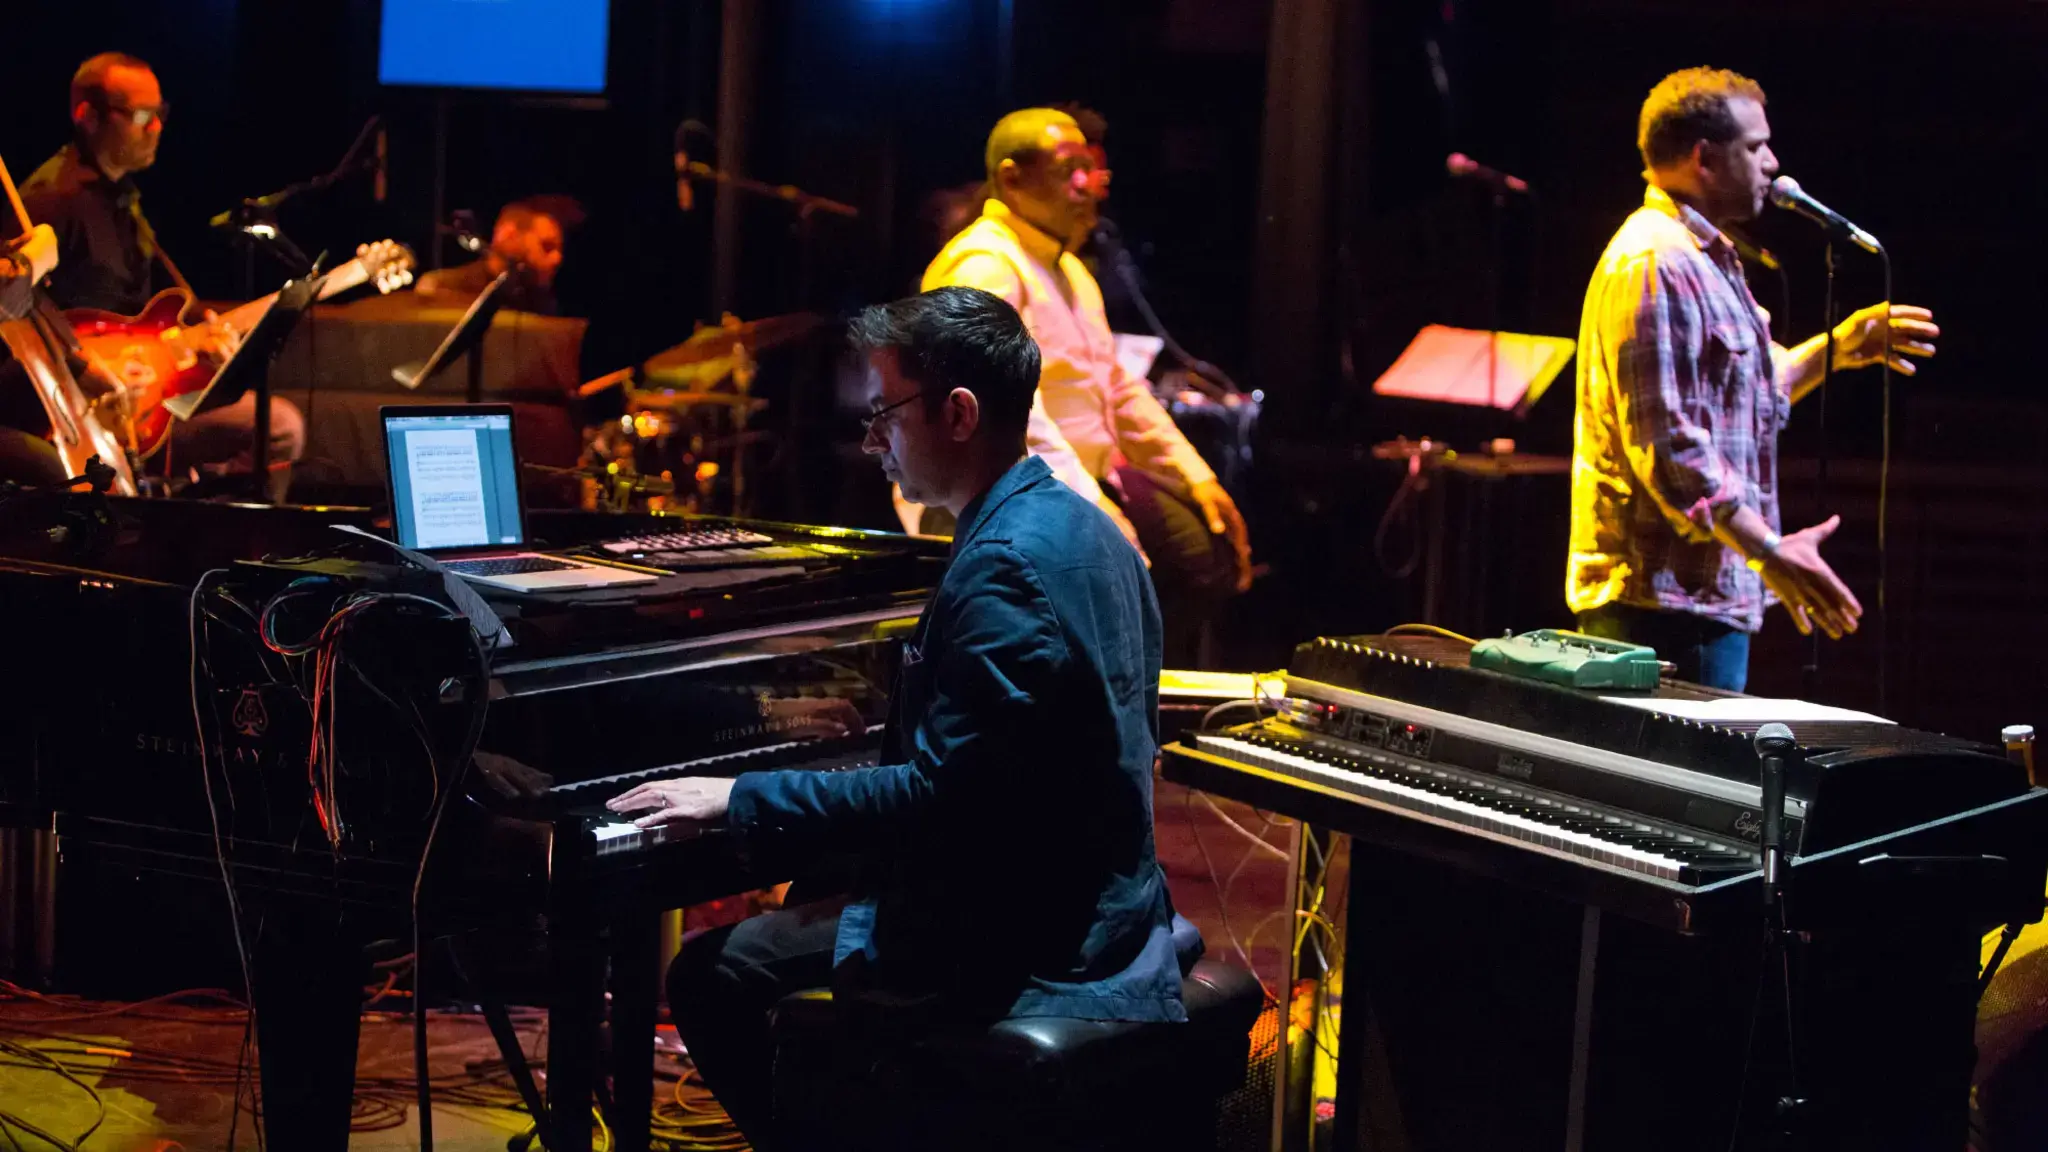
<point>1787,194</point>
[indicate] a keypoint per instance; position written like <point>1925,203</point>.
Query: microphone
<point>380,181</point>
<point>686,195</point>
<point>1459,164</point>
<point>1787,194</point>
<point>1773,741</point>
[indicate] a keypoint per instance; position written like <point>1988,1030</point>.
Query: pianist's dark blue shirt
<point>1008,862</point>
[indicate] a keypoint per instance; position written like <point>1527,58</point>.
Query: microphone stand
<point>1776,748</point>
<point>807,206</point>
<point>1218,383</point>
<point>1827,371</point>
<point>804,202</point>
<point>254,220</point>
<point>1496,205</point>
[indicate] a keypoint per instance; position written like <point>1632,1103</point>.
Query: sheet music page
<point>1745,710</point>
<point>447,488</point>
<point>1135,354</point>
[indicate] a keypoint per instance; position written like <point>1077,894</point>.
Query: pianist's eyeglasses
<point>868,422</point>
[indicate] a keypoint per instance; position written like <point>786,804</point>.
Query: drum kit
<point>682,440</point>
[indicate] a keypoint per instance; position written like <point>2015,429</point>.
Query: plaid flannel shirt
<point>1679,411</point>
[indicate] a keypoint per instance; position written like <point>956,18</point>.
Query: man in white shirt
<point>1100,429</point>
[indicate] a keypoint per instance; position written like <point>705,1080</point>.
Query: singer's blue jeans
<point>1705,651</point>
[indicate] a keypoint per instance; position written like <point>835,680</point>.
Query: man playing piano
<point>1682,395</point>
<point>1028,694</point>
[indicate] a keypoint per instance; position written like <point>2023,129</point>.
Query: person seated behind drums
<point>527,240</point>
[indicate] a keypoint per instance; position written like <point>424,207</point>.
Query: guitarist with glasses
<point>87,194</point>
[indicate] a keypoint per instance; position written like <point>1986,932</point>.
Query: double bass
<point>40,342</point>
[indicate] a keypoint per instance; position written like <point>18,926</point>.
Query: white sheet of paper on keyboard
<point>1746,710</point>
<point>1220,685</point>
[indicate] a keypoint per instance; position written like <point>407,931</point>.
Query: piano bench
<point>1048,1084</point>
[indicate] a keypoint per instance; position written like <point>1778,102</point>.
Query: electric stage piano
<point>717,670</point>
<point>1556,905</point>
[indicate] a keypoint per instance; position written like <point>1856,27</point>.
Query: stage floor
<point>165,1072</point>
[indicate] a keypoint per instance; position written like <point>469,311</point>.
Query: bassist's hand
<point>98,383</point>
<point>40,246</point>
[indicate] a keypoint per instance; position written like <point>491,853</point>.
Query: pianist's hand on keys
<point>814,717</point>
<point>511,779</point>
<point>690,800</point>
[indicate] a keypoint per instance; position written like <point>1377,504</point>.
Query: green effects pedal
<point>1572,659</point>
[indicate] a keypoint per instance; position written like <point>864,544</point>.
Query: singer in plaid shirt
<point>1682,395</point>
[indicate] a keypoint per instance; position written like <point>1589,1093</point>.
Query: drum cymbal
<point>700,376</point>
<point>645,485</point>
<point>714,342</point>
<point>663,400</point>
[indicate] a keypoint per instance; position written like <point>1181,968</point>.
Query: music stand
<point>466,337</point>
<point>1508,371</point>
<point>248,369</point>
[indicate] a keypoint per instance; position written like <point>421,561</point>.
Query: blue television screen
<point>518,45</point>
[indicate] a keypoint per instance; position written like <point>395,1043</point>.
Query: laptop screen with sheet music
<point>454,479</point>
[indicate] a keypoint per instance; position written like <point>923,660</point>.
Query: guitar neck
<point>349,275</point>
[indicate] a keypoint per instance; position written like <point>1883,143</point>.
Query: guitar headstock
<point>386,264</point>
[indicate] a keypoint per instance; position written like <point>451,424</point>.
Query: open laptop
<point>454,481</point>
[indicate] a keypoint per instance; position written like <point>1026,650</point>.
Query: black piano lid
<point>160,547</point>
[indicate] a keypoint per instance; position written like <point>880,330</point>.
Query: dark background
<point>1300,250</point>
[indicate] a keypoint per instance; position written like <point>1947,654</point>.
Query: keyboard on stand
<point>690,540</point>
<point>1553,900</point>
<point>701,549</point>
<point>1534,819</point>
<point>1404,729</point>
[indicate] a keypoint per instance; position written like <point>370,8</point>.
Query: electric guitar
<point>157,354</point>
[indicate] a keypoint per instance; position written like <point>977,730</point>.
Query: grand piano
<point>147,621</point>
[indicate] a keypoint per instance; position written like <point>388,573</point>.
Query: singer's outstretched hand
<point>1808,588</point>
<point>1859,340</point>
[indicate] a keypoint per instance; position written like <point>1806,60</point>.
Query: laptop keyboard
<point>508,566</point>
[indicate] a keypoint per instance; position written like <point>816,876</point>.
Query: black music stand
<point>466,337</point>
<point>248,369</point>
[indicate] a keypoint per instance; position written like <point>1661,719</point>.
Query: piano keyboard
<point>615,837</point>
<point>765,756</point>
<point>1552,824</point>
<point>613,833</point>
